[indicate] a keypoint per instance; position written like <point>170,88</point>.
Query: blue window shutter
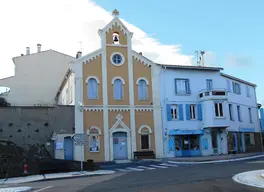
<point>175,85</point>
<point>188,86</point>
<point>200,113</point>
<point>180,112</point>
<point>171,143</point>
<point>188,115</point>
<point>233,86</point>
<point>239,89</point>
<point>228,85</point>
<point>168,112</point>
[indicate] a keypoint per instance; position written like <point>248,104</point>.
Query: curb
<point>44,177</point>
<point>16,189</point>
<point>250,178</point>
<point>217,161</point>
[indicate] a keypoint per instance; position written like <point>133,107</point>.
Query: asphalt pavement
<point>198,178</point>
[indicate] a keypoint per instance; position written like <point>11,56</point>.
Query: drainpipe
<point>260,133</point>
<point>164,123</point>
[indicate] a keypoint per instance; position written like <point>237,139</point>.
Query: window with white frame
<point>236,88</point>
<point>174,112</point>
<point>118,89</point>
<point>209,84</point>
<point>182,86</point>
<point>219,112</point>
<point>142,90</point>
<point>231,115</point>
<point>145,135</point>
<point>94,139</point>
<point>248,91</point>
<point>250,115</point>
<point>92,88</point>
<point>192,112</point>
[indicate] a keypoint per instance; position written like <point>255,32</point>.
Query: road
<point>198,178</point>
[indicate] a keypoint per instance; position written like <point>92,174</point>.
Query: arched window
<point>92,87</point>
<point>118,88</point>
<point>145,132</point>
<point>142,89</point>
<point>94,138</point>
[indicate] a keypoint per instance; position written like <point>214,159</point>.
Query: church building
<point>117,100</point>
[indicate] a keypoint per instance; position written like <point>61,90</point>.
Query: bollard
<point>25,169</point>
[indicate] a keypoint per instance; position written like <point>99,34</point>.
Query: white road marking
<point>144,167</point>
<point>123,170</point>
<point>158,166</point>
<point>134,169</point>
<point>43,189</point>
<point>169,165</point>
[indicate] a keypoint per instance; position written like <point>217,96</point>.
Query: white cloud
<point>60,24</point>
<point>238,61</point>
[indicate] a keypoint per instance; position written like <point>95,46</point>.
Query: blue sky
<point>232,32</point>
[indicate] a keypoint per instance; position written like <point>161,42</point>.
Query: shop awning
<point>186,132</point>
<point>246,129</point>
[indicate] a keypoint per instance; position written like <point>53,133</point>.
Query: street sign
<point>80,139</point>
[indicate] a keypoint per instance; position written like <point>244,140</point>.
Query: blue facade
<point>184,142</point>
<point>261,111</point>
<point>202,109</point>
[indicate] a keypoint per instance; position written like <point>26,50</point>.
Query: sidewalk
<point>250,178</point>
<point>52,176</point>
<point>215,159</point>
<point>16,189</point>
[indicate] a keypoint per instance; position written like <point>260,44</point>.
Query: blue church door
<point>120,146</point>
<point>68,148</point>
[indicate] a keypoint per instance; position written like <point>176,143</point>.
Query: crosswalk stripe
<point>143,167</point>
<point>169,165</point>
<point>123,170</point>
<point>134,169</point>
<point>158,166</point>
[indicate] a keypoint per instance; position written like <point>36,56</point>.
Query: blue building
<point>207,112</point>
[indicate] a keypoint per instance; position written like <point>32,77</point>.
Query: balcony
<point>214,94</point>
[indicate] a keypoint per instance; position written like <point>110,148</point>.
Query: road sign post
<point>81,139</point>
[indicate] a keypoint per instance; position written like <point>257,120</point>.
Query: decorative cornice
<point>144,109</point>
<point>116,22</point>
<point>94,109</point>
<point>141,59</point>
<point>116,45</point>
<point>97,108</point>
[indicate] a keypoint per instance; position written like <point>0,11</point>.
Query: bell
<point>115,39</point>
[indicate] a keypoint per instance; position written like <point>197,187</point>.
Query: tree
<point>3,102</point>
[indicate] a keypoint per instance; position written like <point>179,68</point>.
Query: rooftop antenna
<point>202,57</point>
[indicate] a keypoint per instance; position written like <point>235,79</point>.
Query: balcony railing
<point>211,94</point>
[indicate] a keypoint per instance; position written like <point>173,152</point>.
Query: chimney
<point>79,54</point>
<point>39,47</point>
<point>140,53</point>
<point>27,51</point>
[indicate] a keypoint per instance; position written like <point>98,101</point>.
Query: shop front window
<point>185,142</point>
<point>249,139</point>
<point>194,141</point>
<point>177,143</point>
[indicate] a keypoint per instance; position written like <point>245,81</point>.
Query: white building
<point>206,112</point>
<point>37,78</point>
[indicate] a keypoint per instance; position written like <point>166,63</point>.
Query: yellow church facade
<point>117,99</point>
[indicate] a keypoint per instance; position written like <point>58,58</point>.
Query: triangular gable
<point>119,122</point>
<point>115,22</point>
